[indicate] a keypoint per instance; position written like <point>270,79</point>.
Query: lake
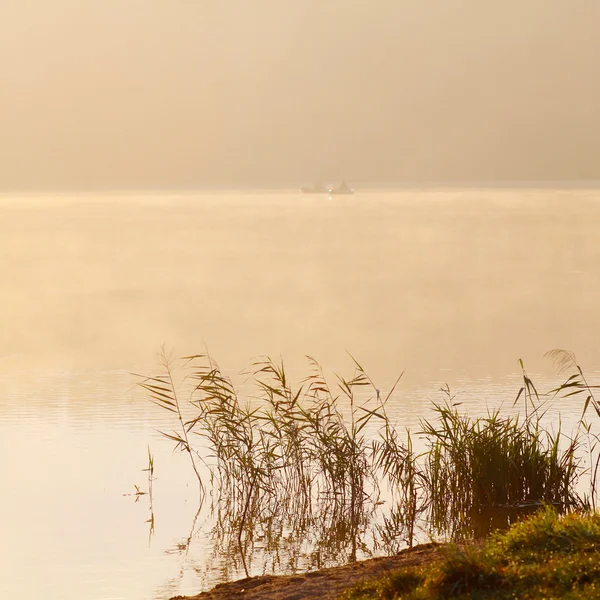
<point>447,286</point>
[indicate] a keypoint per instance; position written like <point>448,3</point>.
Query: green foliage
<point>493,462</point>
<point>546,556</point>
<point>402,581</point>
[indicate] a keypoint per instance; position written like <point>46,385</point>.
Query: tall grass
<point>163,392</point>
<point>474,464</point>
<point>315,456</point>
<point>577,385</point>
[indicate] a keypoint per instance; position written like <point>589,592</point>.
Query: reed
<point>493,462</point>
<point>313,457</point>
<point>150,470</point>
<point>163,392</point>
<point>577,385</point>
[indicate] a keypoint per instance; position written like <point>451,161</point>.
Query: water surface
<point>449,286</point>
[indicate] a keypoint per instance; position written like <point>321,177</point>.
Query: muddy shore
<point>326,584</point>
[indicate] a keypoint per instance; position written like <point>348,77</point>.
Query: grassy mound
<point>546,556</point>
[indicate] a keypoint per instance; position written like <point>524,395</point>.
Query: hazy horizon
<point>151,158</point>
<point>191,94</point>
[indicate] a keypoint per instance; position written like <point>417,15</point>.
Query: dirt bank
<point>326,584</point>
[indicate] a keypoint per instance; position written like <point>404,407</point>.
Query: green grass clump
<point>477,464</point>
<point>546,556</point>
<point>403,581</point>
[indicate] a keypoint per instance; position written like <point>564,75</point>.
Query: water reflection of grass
<point>305,468</point>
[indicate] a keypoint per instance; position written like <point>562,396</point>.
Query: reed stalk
<point>314,457</point>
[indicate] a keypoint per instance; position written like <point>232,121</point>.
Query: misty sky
<point>184,93</point>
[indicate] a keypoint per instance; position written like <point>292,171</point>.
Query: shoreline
<point>325,584</point>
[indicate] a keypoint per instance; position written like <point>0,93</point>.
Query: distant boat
<point>343,189</point>
<point>318,188</point>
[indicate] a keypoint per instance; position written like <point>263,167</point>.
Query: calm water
<point>449,286</point>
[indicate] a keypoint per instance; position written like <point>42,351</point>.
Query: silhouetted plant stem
<point>243,523</point>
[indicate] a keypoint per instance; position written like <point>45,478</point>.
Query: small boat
<point>343,189</point>
<point>318,188</point>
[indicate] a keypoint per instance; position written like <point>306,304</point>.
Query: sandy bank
<point>325,584</point>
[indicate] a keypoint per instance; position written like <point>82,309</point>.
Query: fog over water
<point>409,280</point>
<point>151,154</point>
<point>451,286</point>
<point>186,93</point>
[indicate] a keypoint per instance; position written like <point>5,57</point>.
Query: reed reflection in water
<point>297,473</point>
